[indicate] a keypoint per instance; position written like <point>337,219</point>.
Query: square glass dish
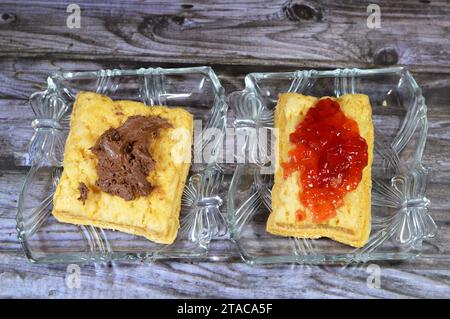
<point>196,89</point>
<point>400,219</point>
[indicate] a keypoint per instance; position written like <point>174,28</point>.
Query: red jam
<point>330,155</point>
<point>300,215</point>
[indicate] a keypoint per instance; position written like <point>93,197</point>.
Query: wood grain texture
<point>212,280</point>
<point>294,33</point>
<point>234,38</point>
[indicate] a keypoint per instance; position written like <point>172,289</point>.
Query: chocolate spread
<point>83,192</point>
<point>124,160</point>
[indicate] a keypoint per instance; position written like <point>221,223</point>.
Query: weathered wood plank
<point>226,280</point>
<point>21,77</point>
<point>294,33</point>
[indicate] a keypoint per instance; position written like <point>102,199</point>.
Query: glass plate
<point>400,218</point>
<point>46,240</point>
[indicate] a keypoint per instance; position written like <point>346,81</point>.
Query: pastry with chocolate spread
<point>122,168</point>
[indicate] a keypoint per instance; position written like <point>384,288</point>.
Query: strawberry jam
<point>330,155</point>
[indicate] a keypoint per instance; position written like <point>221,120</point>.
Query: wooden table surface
<point>234,38</point>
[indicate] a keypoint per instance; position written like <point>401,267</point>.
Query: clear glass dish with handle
<point>401,223</point>
<point>196,89</point>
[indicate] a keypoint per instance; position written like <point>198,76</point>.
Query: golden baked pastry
<point>148,208</point>
<point>351,222</point>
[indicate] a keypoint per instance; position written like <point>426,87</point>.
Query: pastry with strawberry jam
<point>323,173</point>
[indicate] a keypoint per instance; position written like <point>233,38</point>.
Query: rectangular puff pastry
<point>351,225</point>
<point>155,216</point>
